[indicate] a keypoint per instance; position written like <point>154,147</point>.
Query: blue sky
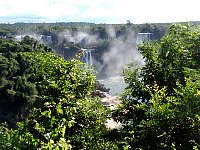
<point>99,11</point>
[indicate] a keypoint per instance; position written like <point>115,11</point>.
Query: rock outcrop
<point>108,101</point>
<point>101,87</point>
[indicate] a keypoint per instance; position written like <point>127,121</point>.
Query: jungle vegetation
<point>45,101</point>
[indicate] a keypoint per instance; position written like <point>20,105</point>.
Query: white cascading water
<point>90,55</point>
<point>46,39</point>
<point>87,57</point>
<point>143,37</point>
<point>18,38</point>
<point>49,39</point>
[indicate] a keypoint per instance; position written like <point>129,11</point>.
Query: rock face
<point>101,87</point>
<point>108,101</point>
<point>98,93</point>
<point>100,90</point>
<point>112,102</point>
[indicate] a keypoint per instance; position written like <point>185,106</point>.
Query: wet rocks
<point>100,90</point>
<point>108,101</point>
<point>101,87</point>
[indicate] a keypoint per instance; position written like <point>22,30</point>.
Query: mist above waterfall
<point>121,50</point>
<point>84,38</point>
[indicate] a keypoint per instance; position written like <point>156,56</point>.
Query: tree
<point>161,102</point>
<point>17,91</point>
<point>61,111</point>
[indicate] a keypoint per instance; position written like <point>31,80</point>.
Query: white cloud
<point>118,11</point>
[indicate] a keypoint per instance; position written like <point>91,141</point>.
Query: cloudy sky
<point>99,11</point>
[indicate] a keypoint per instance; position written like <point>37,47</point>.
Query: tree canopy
<point>161,102</point>
<point>51,98</point>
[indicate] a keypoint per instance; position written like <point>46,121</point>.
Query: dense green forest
<point>46,102</point>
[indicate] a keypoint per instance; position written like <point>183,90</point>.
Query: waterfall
<point>141,37</point>
<point>87,56</point>
<point>18,38</point>
<point>46,39</point>
<point>91,62</point>
<point>42,38</point>
<point>49,39</point>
